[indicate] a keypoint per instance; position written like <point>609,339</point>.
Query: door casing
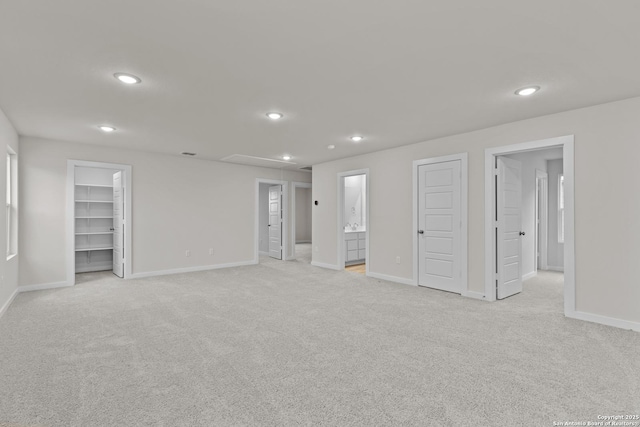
<point>70,232</point>
<point>464,191</point>
<point>567,145</point>
<point>340,222</point>
<point>285,218</point>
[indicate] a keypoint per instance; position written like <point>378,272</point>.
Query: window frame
<point>561,208</point>
<point>11,200</point>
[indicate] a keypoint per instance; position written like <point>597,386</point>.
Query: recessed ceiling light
<point>105,128</point>
<point>275,116</point>
<point>125,78</point>
<point>526,91</point>
<point>286,157</point>
<point>331,147</point>
<point>357,138</point>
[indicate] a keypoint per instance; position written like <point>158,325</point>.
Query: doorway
<point>440,221</point>
<point>301,203</point>
<point>512,233</point>
<point>271,219</point>
<point>353,220</point>
<point>98,218</point>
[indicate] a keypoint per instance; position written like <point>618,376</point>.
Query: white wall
<point>303,214</point>
<point>8,268</point>
<point>531,161</point>
<point>263,217</point>
<point>178,204</point>
<point>607,148</point>
<point>555,254</point>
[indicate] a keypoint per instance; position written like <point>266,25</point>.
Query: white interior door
<point>509,227</point>
<point>439,226</point>
<point>118,225</point>
<point>275,221</point>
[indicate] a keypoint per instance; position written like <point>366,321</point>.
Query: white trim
<point>43,286</point>
<point>340,213</point>
<point>541,220</point>
<point>294,185</point>
<point>70,214</point>
<point>474,295</point>
<point>328,266</point>
<point>555,268</point>
<point>285,218</point>
<point>394,279</point>
<point>604,320</point>
<point>567,144</point>
<point>6,305</point>
<point>192,269</point>
<point>464,215</point>
<point>529,275</point>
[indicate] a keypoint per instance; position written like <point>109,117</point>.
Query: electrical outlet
<point>397,260</point>
<point>187,253</point>
<point>210,251</point>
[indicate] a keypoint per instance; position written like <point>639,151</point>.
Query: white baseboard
<point>43,286</point>
<point>192,269</point>
<point>555,268</point>
<point>394,279</point>
<point>604,320</point>
<point>323,265</point>
<point>529,275</point>
<point>6,305</point>
<point>474,295</point>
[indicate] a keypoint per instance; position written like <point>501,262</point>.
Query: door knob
<point>522,233</point>
<point>420,231</point>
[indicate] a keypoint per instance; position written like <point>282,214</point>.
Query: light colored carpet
<point>285,343</point>
<point>303,252</point>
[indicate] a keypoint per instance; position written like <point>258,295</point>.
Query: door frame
<point>285,218</point>
<point>567,144</point>
<point>70,232</point>
<point>464,195</point>
<point>294,185</point>
<point>341,176</point>
<point>541,220</point>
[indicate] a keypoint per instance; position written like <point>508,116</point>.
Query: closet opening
<point>98,213</point>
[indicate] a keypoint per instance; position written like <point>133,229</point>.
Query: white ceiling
<point>397,71</point>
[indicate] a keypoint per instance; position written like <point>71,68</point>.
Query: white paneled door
<point>440,226</point>
<point>275,221</point>
<point>509,226</point>
<point>118,225</point>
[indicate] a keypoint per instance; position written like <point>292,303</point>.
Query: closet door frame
<point>70,215</point>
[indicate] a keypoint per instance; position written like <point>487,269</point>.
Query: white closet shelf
<point>94,232</point>
<point>94,201</point>
<point>94,217</point>
<point>105,248</point>
<point>94,185</point>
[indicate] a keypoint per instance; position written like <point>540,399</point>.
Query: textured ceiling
<point>397,72</point>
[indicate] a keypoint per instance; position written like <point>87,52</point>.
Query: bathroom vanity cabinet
<point>355,243</point>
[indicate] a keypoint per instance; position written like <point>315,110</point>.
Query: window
<point>561,209</point>
<point>12,209</point>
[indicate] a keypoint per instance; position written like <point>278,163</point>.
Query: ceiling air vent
<point>186,153</point>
